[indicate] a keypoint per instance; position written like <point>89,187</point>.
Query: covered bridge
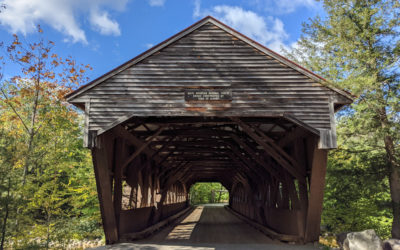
<point>210,104</point>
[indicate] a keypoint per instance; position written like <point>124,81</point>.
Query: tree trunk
<point>220,193</point>
<point>48,230</point>
<point>28,156</point>
<point>31,132</point>
<point>393,175</point>
<point>4,227</point>
<point>394,181</point>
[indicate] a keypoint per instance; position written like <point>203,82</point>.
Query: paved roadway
<point>208,227</point>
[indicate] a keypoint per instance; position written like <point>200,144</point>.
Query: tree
<point>41,153</point>
<point>7,161</point>
<point>357,189</point>
<point>44,77</point>
<point>206,192</point>
<point>357,46</point>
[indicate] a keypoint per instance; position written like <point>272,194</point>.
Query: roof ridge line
<point>189,30</point>
<point>144,54</point>
<point>285,60</point>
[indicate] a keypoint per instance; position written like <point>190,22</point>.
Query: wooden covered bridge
<point>210,104</point>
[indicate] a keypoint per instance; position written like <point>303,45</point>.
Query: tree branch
<point>14,110</point>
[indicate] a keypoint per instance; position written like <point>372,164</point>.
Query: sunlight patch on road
<point>184,229</point>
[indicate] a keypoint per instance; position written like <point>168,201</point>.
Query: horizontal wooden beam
<point>195,132</point>
<point>206,142</point>
<point>202,120</point>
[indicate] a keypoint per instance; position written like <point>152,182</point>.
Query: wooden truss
<point>272,167</point>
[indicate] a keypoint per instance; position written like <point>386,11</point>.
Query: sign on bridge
<point>208,95</point>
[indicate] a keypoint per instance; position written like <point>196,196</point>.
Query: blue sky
<point>106,33</point>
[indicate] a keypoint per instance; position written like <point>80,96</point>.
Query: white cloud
<point>285,6</point>
<point>156,2</point>
<point>268,31</point>
<point>197,8</point>
<point>291,5</point>
<point>102,23</point>
<point>62,15</point>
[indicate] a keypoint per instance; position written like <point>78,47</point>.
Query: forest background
<point>47,184</point>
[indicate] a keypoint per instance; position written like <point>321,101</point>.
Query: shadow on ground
<point>208,227</point>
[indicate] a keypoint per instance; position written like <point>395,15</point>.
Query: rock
<point>392,244</point>
<point>365,240</point>
<point>340,239</point>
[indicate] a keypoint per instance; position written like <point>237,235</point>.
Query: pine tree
<point>357,46</point>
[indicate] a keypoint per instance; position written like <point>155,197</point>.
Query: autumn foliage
<point>47,185</point>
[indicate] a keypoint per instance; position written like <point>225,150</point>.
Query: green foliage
<point>47,184</point>
<point>208,192</point>
<point>357,47</point>
<point>357,190</point>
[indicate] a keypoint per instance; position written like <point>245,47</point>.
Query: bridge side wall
<point>283,207</point>
<point>139,201</point>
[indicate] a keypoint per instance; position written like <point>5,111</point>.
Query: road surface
<point>208,227</point>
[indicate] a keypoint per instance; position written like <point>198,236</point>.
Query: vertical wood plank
<point>317,184</point>
<point>86,141</point>
<point>285,195</point>
<point>120,156</point>
<point>140,188</point>
<point>301,157</point>
<point>100,162</point>
<point>146,172</point>
<point>291,189</point>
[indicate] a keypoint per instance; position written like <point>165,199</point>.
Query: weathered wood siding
<point>208,57</point>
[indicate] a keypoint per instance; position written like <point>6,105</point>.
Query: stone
<point>392,244</point>
<point>364,240</point>
<point>340,239</point>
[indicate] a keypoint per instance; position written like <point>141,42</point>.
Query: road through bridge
<point>209,227</point>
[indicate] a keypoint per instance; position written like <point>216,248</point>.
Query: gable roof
<point>193,27</point>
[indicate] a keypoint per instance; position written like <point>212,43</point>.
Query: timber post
<point>316,196</point>
<point>102,157</point>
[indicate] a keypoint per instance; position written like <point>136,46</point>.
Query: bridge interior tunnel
<point>272,167</point>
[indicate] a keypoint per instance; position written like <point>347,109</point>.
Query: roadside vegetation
<point>208,192</point>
